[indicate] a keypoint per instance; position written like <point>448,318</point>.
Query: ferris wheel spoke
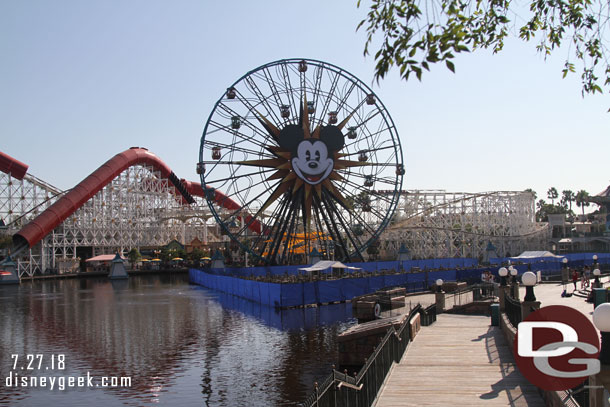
<point>247,204</point>
<point>279,226</point>
<point>316,93</point>
<point>267,125</point>
<point>333,210</point>
<point>236,146</point>
<point>264,101</point>
<point>346,96</point>
<point>242,120</point>
<point>320,229</point>
<point>245,138</point>
<point>261,171</point>
<point>330,227</point>
<point>348,232</point>
<point>264,238</point>
<point>328,100</point>
<point>289,90</point>
<point>368,193</point>
<point>370,150</point>
<point>274,91</point>
<point>290,234</point>
<point>374,178</point>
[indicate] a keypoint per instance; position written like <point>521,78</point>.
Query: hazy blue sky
<point>83,80</point>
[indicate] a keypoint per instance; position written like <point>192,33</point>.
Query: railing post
<point>515,289</point>
<point>502,293</point>
<point>527,307</point>
<point>440,301</point>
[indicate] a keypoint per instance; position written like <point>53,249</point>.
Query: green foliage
<point>567,197</point>
<point>552,194</point>
<point>165,254</point>
<point>134,256</point>
<point>417,33</point>
<point>545,209</point>
<point>196,254</point>
<point>582,199</point>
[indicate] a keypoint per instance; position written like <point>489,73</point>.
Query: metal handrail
<point>512,309</point>
<point>341,389</point>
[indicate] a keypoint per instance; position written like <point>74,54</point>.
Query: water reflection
<point>180,344</point>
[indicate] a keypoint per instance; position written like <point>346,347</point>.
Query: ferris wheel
<point>295,156</point>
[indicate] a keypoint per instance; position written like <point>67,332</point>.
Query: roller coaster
<point>132,200</point>
<point>135,200</point>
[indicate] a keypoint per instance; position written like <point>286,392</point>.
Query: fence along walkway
<point>459,361</point>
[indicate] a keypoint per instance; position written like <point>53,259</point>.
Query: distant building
<point>583,233</point>
<point>195,244</point>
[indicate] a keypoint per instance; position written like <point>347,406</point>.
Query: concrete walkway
<point>550,294</point>
<point>458,361</point>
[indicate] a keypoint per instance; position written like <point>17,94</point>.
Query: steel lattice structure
<point>142,206</point>
<point>436,224</point>
<point>138,208</point>
<point>23,199</point>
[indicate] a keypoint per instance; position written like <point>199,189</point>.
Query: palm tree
<point>552,194</point>
<point>582,199</point>
<point>567,197</point>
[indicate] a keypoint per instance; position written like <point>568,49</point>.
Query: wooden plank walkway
<point>460,360</point>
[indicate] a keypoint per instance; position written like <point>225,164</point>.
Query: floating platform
<point>285,295</point>
<point>282,287</point>
<point>299,294</point>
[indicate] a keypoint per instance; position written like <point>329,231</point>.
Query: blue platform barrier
<point>289,295</point>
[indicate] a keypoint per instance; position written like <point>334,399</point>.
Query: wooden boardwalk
<point>458,361</point>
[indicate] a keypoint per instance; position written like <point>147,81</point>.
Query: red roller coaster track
<point>9,165</point>
<point>55,214</point>
<point>194,188</point>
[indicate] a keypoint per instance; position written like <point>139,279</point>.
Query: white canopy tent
<point>327,264</point>
<point>537,254</point>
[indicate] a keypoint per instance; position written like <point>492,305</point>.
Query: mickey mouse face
<point>311,157</point>
<point>312,164</point>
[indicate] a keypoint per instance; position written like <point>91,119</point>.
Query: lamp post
<point>565,274</point>
<point>503,291</point>
<point>439,296</point>
<point>514,283</point>
<point>529,303</point>
<point>513,272</point>
<point>439,285</point>
<point>597,283</point>
<point>503,272</point>
<point>529,281</point>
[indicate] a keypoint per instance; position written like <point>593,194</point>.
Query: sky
<point>81,81</point>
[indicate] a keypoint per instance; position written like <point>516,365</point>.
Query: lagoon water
<point>180,344</point>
